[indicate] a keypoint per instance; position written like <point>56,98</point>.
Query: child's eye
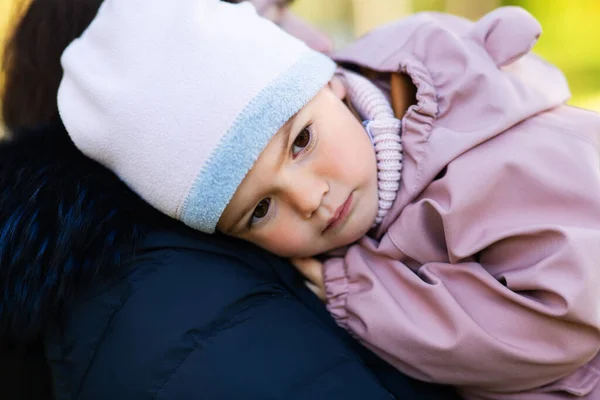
<point>261,211</point>
<point>302,141</point>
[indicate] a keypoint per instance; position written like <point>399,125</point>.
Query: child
<point>461,194</point>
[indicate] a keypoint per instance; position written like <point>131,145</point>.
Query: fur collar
<point>65,221</point>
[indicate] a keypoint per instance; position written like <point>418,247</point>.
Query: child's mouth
<point>340,214</point>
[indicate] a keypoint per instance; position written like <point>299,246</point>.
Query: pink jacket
<point>486,272</point>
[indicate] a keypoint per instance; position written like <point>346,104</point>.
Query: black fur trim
<point>64,221</point>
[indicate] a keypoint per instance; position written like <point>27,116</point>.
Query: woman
<point>103,297</point>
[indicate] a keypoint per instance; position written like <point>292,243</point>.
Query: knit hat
<point>179,98</point>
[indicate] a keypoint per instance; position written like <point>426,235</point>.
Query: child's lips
<point>340,214</point>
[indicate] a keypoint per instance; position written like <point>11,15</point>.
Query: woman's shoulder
<point>199,316</point>
<point>183,295</point>
<point>105,277</point>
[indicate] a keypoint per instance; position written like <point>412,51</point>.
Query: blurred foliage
<point>6,12</point>
<point>570,40</point>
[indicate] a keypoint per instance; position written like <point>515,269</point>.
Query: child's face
<point>314,187</point>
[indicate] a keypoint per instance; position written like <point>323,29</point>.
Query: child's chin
<point>357,233</point>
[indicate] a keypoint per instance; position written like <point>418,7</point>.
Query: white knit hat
<point>180,97</point>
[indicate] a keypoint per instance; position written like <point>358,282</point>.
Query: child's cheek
<point>286,242</point>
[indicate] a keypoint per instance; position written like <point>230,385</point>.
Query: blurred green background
<point>571,37</point>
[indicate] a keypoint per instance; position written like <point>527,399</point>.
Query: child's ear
<point>337,87</point>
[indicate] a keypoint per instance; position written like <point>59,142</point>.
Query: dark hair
<point>31,63</point>
<point>32,58</point>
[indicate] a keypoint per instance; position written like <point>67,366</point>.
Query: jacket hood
<point>65,221</point>
<point>474,81</point>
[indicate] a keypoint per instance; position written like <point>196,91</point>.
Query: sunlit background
<point>571,37</point>
<point>570,40</point>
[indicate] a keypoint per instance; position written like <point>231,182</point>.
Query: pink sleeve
<point>518,305</point>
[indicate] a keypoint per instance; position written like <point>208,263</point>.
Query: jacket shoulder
<point>199,320</point>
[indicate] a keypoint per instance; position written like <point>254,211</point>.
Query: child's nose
<point>306,195</point>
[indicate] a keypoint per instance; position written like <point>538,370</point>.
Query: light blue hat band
<point>243,143</point>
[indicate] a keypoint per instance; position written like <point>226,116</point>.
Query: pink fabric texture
<point>485,273</point>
